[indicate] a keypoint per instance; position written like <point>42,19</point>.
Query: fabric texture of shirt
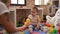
<point>34,20</point>
<point>3,8</point>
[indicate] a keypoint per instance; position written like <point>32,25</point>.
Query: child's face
<point>34,12</point>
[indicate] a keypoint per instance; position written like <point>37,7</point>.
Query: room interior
<point>21,8</point>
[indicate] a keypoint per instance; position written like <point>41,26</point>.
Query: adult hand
<point>27,24</point>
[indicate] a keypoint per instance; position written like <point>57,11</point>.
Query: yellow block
<point>50,29</point>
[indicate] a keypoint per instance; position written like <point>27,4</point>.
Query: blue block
<point>42,24</point>
<point>26,32</point>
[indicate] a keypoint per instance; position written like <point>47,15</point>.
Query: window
<point>21,2</point>
<point>13,1</point>
<point>18,2</point>
<point>46,2</point>
<point>37,2</point>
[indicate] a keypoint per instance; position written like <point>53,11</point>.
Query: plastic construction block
<point>47,24</point>
<point>59,30</point>
<point>55,31</point>
<point>52,33</point>
<point>42,24</point>
<point>26,32</point>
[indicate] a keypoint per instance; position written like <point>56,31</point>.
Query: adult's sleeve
<point>3,8</point>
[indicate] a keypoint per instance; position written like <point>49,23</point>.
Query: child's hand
<point>37,27</point>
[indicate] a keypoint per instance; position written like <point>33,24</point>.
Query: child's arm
<point>38,25</point>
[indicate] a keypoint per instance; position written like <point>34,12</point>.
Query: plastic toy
<point>54,20</point>
<point>42,24</point>
<point>55,31</point>
<point>28,20</point>
<point>59,30</point>
<point>26,32</point>
<point>50,29</point>
<point>45,29</point>
<point>49,25</point>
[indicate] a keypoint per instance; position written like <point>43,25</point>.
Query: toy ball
<point>45,29</point>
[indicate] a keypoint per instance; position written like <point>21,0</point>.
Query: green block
<point>55,31</point>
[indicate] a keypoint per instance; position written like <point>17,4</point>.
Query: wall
<point>30,4</point>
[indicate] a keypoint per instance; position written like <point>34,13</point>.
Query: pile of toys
<point>49,28</point>
<point>46,28</point>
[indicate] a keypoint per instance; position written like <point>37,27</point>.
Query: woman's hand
<point>27,24</point>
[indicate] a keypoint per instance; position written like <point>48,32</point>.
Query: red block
<point>47,24</point>
<point>59,30</point>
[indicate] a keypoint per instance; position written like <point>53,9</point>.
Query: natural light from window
<point>13,1</point>
<point>45,2</point>
<point>17,1</point>
<point>21,1</point>
<point>37,2</point>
